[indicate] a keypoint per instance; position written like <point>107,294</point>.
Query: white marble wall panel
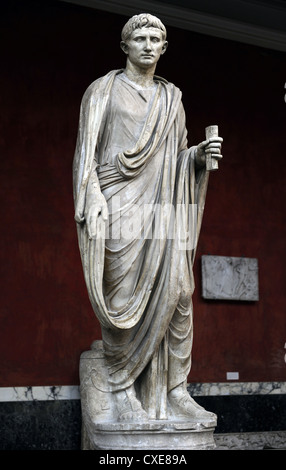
<point>237,388</point>
<point>71,392</point>
<point>68,392</point>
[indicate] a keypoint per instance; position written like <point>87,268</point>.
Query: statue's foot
<point>184,406</point>
<point>128,406</point>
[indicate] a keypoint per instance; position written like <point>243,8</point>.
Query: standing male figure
<point>132,152</point>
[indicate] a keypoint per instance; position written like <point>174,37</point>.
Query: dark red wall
<point>51,51</point>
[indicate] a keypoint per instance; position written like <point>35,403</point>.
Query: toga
<point>135,140</point>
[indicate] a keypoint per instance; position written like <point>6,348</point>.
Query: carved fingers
<point>94,211</point>
<point>212,147</point>
<point>209,148</point>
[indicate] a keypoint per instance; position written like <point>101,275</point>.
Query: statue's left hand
<point>210,146</point>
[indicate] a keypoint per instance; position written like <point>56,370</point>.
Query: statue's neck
<point>141,76</point>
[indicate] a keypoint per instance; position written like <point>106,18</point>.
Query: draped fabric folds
<point>156,176</point>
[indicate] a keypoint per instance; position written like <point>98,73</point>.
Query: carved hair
<point>144,20</point>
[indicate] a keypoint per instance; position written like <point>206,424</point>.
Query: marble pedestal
<point>157,434</point>
<point>101,430</point>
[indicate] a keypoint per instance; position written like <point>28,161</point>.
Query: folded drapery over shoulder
<point>157,177</point>
<point>91,112</point>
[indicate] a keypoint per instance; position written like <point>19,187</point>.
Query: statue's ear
<point>124,47</point>
<point>164,48</point>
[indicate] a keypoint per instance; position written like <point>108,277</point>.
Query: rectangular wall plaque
<point>229,278</point>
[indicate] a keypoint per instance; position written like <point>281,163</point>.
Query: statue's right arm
<point>89,200</point>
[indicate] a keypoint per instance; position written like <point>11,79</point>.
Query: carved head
<point>144,20</point>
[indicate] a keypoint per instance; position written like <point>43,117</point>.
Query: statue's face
<point>145,46</point>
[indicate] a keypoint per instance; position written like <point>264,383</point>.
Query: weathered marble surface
<point>103,430</point>
<point>132,154</point>
<point>155,435</point>
<point>229,278</point>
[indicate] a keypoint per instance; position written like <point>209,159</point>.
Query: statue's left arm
<point>210,146</point>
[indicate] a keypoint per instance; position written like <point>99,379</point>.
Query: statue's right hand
<point>94,210</point>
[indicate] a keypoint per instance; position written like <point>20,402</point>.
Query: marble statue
<point>139,194</point>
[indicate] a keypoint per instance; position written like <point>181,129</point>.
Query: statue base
<point>102,431</point>
<point>154,435</point>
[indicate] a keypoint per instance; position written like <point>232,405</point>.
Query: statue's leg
<point>128,406</point>
<point>182,405</point>
<point>126,402</point>
<point>180,340</point>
